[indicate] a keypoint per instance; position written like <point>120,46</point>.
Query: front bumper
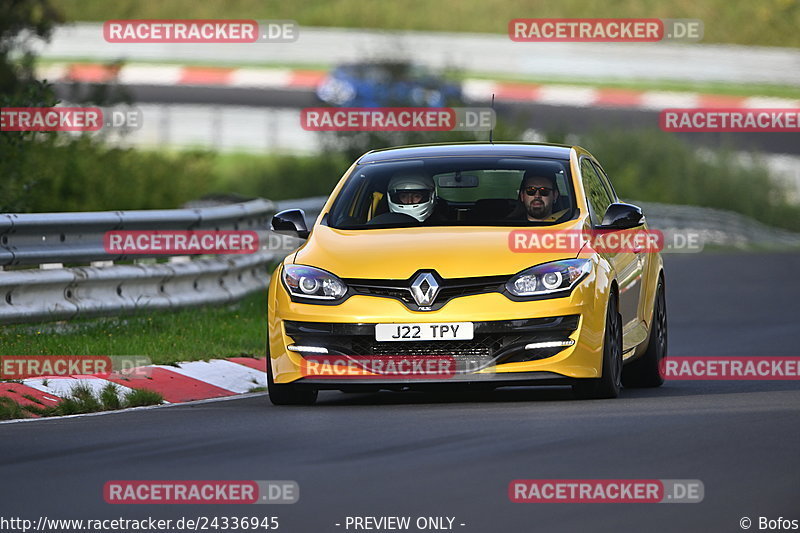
<point>502,329</point>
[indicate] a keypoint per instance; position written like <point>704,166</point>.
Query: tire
<point>610,382</point>
<point>645,372</point>
<point>288,393</point>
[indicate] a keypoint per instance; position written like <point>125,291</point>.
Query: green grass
<point>109,397</point>
<point>142,397</point>
<point>81,400</point>
<point>165,337</point>
<point>768,22</point>
<point>10,410</point>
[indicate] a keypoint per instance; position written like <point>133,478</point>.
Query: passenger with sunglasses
<point>538,194</point>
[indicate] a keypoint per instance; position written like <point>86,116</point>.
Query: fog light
<point>549,344</point>
<point>307,349</point>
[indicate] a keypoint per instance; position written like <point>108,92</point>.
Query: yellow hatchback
<point>469,265</point>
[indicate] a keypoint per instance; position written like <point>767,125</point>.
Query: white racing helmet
<point>405,188</point>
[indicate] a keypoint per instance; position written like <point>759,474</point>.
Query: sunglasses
<point>544,191</point>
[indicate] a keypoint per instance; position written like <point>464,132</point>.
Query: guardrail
<point>52,292</point>
<point>717,226</point>
<point>51,240</point>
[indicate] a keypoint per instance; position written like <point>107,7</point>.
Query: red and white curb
<point>196,380</point>
<point>474,89</point>
<point>580,96</point>
<point>138,74</point>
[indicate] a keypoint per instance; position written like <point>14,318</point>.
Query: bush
<point>79,174</point>
<point>61,174</point>
<point>279,177</point>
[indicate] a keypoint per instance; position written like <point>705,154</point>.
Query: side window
<point>607,182</point>
<point>596,194</point>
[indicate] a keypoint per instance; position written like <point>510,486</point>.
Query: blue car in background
<point>387,84</point>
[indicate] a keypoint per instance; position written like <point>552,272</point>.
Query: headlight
<point>314,283</point>
<point>549,278</point>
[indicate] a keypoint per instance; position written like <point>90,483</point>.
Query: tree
<point>21,22</point>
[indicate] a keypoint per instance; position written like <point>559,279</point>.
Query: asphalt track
<point>423,454</point>
<point>544,118</point>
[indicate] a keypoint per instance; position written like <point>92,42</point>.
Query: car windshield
<point>455,191</point>
<point>377,72</point>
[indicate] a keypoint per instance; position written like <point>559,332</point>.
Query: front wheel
<point>288,393</point>
<point>610,383</point>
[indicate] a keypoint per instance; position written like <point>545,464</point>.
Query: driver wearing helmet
<point>412,194</point>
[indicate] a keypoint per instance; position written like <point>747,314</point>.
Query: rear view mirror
<point>457,180</point>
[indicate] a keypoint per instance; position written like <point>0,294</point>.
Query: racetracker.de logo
<point>731,368</point>
<point>730,120</point>
<point>200,492</point>
<point>388,366</point>
<point>199,31</point>
<point>31,366</point>
<point>179,242</point>
<point>397,119</point>
<point>67,118</point>
<point>370,366</point>
<point>606,491</point>
<point>51,119</point>
<point>605,241</point>
<point>625,30</point>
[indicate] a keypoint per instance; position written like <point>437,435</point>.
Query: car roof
<point>474,149</point>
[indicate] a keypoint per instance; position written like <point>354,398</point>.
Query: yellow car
<point>472,265</point>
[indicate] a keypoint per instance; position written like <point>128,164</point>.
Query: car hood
<point>397,253</point>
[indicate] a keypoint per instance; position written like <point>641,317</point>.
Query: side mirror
<point>293,220</point>
<point>622,216</point>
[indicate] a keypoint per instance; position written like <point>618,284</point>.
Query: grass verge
<point>10,410</point>
<point>82,399</point>
<point>165,337</point>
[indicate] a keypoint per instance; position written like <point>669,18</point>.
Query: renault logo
<point>424,289</point>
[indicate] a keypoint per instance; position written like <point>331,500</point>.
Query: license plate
<point>448,331</point>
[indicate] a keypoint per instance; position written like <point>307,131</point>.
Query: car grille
<point>449,289</point>
<point>499,341</point>
<point>482,347</point>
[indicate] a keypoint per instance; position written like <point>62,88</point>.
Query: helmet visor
<point>410,196</point>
